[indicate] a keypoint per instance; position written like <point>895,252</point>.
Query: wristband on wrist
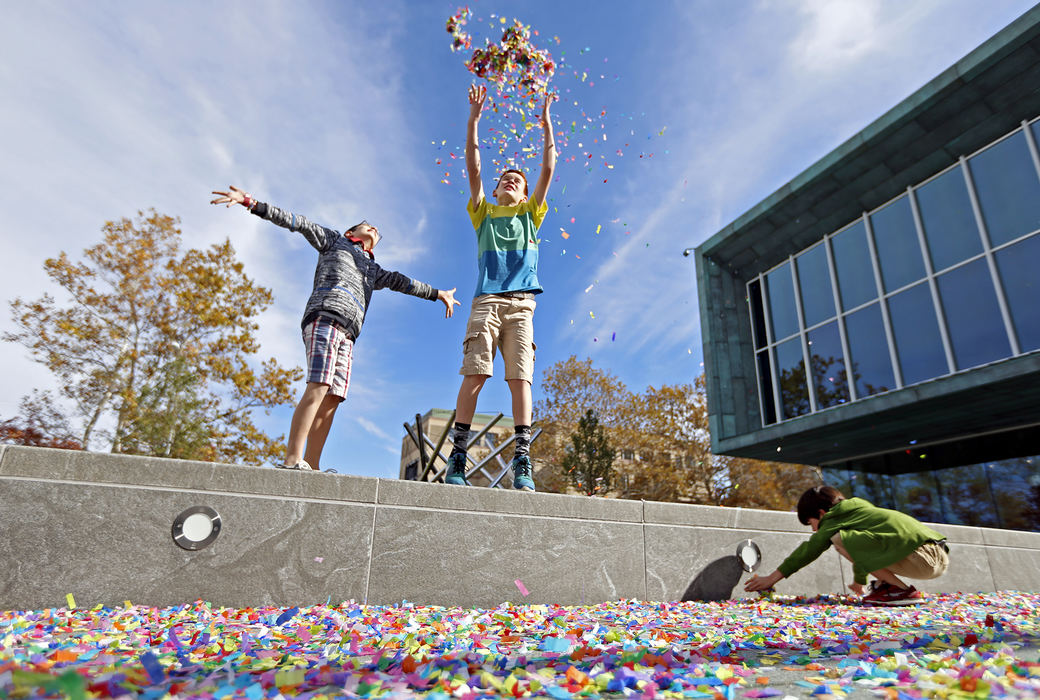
<point>248,202</point>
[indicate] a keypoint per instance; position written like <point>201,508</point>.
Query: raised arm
<point>541,189</point>
<point>477,95</point>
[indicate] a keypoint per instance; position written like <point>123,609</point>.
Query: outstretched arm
<point>477,95</point>
<point>318,236</point>
<point>541,190</point>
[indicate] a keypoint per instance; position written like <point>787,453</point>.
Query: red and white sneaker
<point>887,594</point>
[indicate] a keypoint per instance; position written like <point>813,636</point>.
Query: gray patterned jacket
<point>345,276</point>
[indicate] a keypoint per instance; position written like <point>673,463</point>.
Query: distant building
<point>879,315</point>
<point>434,424</point>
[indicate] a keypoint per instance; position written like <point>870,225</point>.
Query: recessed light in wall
<point>196,527</point>
<point>749,555</point>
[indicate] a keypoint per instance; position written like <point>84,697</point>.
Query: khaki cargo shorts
<point>506,322</point>
<point>926,562</point>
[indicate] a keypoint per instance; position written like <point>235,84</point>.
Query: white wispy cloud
<point>843,65</point>
<point>372,428</point>
<point>128,107</point>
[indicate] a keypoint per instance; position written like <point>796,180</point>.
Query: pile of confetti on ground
<point>954,646</point>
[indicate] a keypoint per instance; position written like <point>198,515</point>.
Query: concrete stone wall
<point>99,526</point>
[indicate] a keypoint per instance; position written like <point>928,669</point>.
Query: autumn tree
<point>570,388</point>
<point>666,430</point>
<point>663,441</point>
<point>589,462</point>
<point>153,347</point>
<point>38,424</point>
<point>752,483</point>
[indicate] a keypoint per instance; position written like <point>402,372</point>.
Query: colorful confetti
<point>958,645</point>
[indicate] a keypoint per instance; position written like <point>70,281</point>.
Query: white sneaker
<point>300,466</point>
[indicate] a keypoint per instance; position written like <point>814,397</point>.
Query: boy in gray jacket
<point>344,280</point>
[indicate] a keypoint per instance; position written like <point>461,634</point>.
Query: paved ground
<point>961,645</point>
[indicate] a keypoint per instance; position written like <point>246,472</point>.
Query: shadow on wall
<point>716,581</point>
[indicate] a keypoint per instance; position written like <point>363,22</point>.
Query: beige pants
<point>926,562</point>
<point>500,322</point>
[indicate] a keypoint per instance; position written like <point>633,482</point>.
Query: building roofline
<point>932,106</point>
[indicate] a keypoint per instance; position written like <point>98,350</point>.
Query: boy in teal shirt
<point>879,541</point>
<point>502,315</point>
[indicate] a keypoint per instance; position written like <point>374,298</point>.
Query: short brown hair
<point>518,172</point>
<point>814,500</point>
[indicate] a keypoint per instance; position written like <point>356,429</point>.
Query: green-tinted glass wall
<point>1004,494</point>
<point>940,280</point>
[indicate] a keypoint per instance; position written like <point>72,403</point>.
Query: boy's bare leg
<point>521,391</point>
<point>889,578</point>
<point>303,418</point>
<point>320,426</point>
<point>466,404</point>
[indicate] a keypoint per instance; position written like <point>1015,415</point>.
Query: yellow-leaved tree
<point>662,442</point>
<point>153,348</point>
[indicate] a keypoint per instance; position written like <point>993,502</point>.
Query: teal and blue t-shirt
<point>507,246</point>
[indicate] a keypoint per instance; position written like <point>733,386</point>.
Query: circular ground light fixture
<point>749,555</point>
<point>196,528</point>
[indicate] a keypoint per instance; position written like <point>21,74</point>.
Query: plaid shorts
<point>329,354</point>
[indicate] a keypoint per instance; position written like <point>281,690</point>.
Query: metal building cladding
<point>880,312</point>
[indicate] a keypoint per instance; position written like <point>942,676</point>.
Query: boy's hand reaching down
<point>447,297</point>
<point>761,583</point>
<point>857,588</point>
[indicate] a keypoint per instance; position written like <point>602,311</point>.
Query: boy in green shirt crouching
<point>882,542</point>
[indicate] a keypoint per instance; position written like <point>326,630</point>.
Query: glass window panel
<point>1008,189</point>
<point>871,363</point>
<point>840,478</point>
<point>966,496</point>
<point>949,223</point>
<point>876,488</point>
<point>782,311</point>
<point>758,317</point>
<point>973,318</point>
<point>898,248</point>
<point>794,392</point>
<point>852,266</point>
<point>766,376</point>
<point>1018,265</point>
<point>827,361</point>
<point>917,495</point>
<point>918,343</point>
<point>1014,485</point>
<point>814,282</point>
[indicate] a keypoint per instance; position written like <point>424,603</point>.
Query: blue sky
<point>337,110</point>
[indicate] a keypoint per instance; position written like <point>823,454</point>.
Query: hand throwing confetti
<point>514,64</point>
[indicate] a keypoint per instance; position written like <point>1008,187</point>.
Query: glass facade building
<point>939,280</point>
<point>878,315</point>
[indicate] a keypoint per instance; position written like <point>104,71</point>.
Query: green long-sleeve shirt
<point>874,538</point>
